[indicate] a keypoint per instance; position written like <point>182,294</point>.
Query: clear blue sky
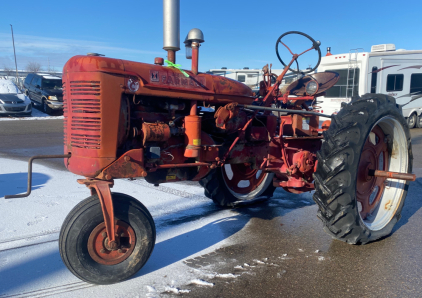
<point>237,33</point>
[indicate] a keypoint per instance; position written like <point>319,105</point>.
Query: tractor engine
<point>127,119</point>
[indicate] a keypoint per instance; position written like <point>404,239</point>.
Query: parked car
<point>12,100</point>
<point>45,90</point>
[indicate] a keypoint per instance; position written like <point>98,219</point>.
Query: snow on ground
<point>188,225</point>
<point>36,115</point>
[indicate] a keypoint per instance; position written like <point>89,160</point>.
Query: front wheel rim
<point>385,149</point>
<point>100,251</point>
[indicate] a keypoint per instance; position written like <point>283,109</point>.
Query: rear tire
<point>106,266</point>
<point>219,187</point>
<point>355,207</point>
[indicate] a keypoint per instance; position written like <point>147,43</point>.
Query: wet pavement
<point>282,251</point>
<point>293,257</point>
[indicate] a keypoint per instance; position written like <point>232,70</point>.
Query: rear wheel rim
<point>378,198</point>
<point>98,244</point>
<point>242,180</point>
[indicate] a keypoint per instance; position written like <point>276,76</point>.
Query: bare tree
<point>33,66</point>
<point>8,71</point>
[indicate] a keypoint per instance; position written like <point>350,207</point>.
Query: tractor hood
<point>161,81</point>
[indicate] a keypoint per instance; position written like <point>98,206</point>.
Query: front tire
<point>368,133</point>
<point>83,246</point>
<point>45,108</point>
<point>236,184</point>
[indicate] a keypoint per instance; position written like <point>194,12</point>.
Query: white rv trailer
<point>383,70</point>
<point>251,77</point>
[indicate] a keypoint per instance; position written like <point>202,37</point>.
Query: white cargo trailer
<point>383,70</point>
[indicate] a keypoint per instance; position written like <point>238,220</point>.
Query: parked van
<point>383,70</point>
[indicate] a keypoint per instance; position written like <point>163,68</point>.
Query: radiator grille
<point>82,112</point>
<point>14,109</point>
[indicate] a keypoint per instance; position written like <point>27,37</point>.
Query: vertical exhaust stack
<point>171,27</point>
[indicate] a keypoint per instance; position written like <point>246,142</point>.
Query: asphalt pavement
<point>283,250</point>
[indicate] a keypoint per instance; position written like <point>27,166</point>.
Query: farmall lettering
<point>134,120</point>
<point>176,80</point>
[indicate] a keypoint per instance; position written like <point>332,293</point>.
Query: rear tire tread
<point>342,221</point>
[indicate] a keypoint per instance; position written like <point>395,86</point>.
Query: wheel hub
<point>106,253</point>
<point>374,156</point>
<point>240,173</point>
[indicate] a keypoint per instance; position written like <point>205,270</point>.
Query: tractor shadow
<point>42,267</point>
<point>187,244</point>
<point>16,183</point>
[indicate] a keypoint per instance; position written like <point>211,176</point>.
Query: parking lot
<point>273,249</point>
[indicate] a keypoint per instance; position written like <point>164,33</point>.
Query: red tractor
<point>125,119</point>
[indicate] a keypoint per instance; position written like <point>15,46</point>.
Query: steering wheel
<point>315,45</point>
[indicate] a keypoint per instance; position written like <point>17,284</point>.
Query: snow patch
<point>46,117</point>
<point>320,258</point>
<point>176,290</point>
<point>201,282</point>
<point>284,257</point>
<point>151,289</point>
<point>301,250</point>
<point>227,275</point>
<point>8,87</point>
<point>259,262</point>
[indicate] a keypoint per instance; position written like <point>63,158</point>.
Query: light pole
<point>14,52</point>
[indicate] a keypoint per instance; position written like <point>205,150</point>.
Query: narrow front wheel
<point>84,242</point>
